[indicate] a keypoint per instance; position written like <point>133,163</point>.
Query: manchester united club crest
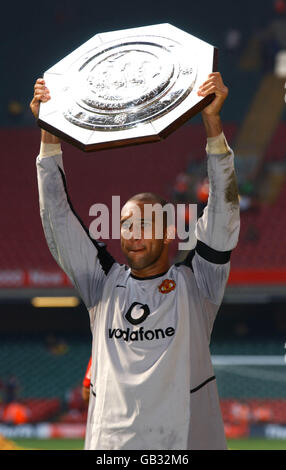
<point>167,286</point>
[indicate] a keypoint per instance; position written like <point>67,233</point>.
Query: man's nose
<point>135,232</point>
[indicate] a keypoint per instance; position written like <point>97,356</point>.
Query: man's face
<point>138,241</point>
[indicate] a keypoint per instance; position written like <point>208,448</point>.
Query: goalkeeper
<point>153,385</point>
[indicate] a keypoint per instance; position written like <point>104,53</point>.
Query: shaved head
<point>149,197</point>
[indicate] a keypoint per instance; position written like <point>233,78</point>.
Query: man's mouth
<point>136,250</point>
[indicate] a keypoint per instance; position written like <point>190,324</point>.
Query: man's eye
<point>126,226</point>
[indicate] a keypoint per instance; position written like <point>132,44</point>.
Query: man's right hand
<point>41,94</point>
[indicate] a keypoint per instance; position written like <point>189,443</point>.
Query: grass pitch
<point>77,444</point>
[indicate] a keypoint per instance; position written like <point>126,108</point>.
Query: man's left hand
<point>213,85</point>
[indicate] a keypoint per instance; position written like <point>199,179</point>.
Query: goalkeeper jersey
<point>152,380</point>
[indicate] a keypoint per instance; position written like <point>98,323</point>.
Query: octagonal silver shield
<point>127,87</point>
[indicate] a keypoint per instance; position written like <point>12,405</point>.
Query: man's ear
<point>170,234</point>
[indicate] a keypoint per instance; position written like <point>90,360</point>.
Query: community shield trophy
<point>127,87</point>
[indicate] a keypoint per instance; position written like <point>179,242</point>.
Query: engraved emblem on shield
<point>127,87</point>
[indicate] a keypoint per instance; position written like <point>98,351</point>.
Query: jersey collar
<point>148,277</point>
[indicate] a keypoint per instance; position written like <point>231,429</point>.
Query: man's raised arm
<point>217,230</point>
<point>84,260</point>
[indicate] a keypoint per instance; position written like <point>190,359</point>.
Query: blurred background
<point>45,339</point>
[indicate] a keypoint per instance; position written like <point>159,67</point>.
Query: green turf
<point>77,444</point>
<point>50,444</point>
<point>257,444</point>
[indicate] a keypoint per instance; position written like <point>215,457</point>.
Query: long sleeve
<point>84,260</point>
<point>217,230</point>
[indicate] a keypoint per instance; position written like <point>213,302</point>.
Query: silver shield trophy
<point>127,87</point>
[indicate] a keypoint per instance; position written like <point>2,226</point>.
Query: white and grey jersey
<point>152,381</point>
